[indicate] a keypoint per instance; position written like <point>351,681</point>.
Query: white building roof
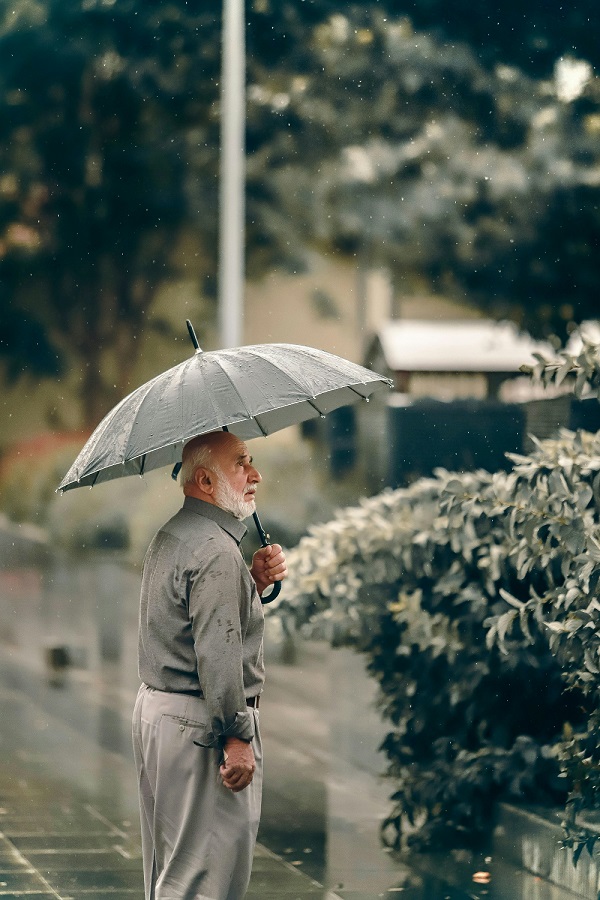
<point>477,345</point>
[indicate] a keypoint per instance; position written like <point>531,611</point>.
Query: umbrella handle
<point>264,540</point>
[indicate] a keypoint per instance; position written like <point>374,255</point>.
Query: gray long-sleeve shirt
<point>201,620</point>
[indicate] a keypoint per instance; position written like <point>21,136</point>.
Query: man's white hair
<point>199,457</point>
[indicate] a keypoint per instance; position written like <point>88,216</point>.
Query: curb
<point>269,867</point>
<point>531,839</point>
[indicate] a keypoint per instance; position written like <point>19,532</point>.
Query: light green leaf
<point>518,604</point>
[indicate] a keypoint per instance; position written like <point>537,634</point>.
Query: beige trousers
<point>198,837</point>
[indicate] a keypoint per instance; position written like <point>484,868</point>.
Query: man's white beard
<point>228,499</point>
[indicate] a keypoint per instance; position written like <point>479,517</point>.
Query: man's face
<point>236,478</point>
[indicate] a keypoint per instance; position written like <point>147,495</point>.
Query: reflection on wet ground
<point>68,804</point>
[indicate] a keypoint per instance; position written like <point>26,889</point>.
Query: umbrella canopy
<point>252,391</point>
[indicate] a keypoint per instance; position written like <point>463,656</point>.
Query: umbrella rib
<point>314,406</point>
<point>276,366</point>
<point>198,360</point>
<point>161,383</point>
<point>141,393</point>
<point>239,396</point>
<point>262,430</point>
<point>280,371</point>
<point>354,391</point>
<point>143,463</point>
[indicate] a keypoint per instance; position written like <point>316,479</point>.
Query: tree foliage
<point>474,597</point>
<point>456,148</point>
<point>99,105</point>
<point>531,37</point>
<point>392,133</point>
<point>481,181</point>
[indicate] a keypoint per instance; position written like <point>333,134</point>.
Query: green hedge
<point>474,598</point>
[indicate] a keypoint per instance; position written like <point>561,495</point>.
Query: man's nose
<point>255,475</point>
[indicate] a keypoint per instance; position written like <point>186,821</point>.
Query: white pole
<point>231,199</point>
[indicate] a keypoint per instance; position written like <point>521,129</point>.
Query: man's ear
<point>203,481</point>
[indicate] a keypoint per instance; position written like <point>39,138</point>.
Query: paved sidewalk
<point>68,802</point>
<point>56,845</point>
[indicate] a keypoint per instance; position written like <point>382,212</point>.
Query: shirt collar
<point>224,519</point>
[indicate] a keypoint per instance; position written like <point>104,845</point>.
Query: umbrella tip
<point>192,335</point>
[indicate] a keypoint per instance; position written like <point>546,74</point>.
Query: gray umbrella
<point>250,391</point>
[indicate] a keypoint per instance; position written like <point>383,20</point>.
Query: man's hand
<point>268,565</point>
<point>239,765</point>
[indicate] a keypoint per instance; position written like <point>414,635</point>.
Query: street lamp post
<point>231,197</point>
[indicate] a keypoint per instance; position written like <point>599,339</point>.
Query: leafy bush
<point>474,598</point>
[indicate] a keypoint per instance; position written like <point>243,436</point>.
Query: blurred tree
<point>546,278</point>
<point>428,155</point>
<point>101,105</point>
<point>408,153</point>
<point>531,36</point>
<point>109,142</point>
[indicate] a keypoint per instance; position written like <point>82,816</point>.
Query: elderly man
<point>195,724</point>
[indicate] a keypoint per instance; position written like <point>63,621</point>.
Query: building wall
<point>334,307</point>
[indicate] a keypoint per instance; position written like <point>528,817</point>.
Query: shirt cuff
<point>242,727</point>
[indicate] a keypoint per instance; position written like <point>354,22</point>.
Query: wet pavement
<point>68,804</point>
